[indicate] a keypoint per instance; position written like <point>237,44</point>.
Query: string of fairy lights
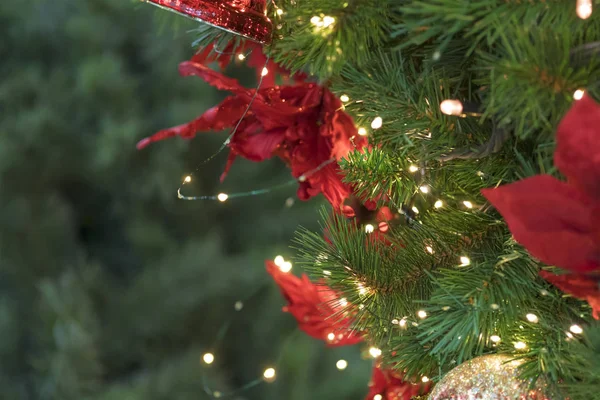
<point>324,25</point>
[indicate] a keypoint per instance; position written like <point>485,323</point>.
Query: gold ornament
<point>491,377</point>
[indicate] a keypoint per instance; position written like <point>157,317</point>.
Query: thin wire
<point>256,192</point>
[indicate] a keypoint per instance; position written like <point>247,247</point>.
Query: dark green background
<point>110,287</point>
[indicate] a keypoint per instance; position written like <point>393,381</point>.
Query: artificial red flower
<point>390,385</point>
<point>559,222</point>
<point>579,286</point>
<point>316,307</point>
<point>303,124</point>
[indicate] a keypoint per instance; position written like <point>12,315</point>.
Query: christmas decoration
<point>318,309</point>
<point>243,17</point>
<point>584,287</point>
<point>387,384</point>
<point>303,124</point>
<point>490,377</point>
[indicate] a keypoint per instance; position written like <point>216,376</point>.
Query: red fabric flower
<point>303,124</point>
<point>579,286</point>
<point>390,385</point>
<point>316,308</point>
<point>559,222</point>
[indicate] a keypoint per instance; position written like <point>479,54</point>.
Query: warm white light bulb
<point>422,314</point>
<point>495,338</point>
<point>429,249</point>
<point>584,8</point>
<point>520,345</point>
<point>362,131</point>
<point>269,374</point>
<point>576,329</point>
<point>424,379</point>
<point>343,302</point>
<point>424,189</point>
<point>187,179</point>
<point>369,228</point>
<point>279,261</point>
<point>241,57</point>
<point>208,358</point>
<point>286,267</point>
<point>341,364</point>
<point>395,321</point>
<point>377,123</point>
<point>328,21</point>
<point>402,322</point>
<point>326,272</point>
<point>331,336</point>
<point>468,204</point>
<point>532,318</point>
<point>374,352</point>
<point>464,260</point>
<point>222,197</point>
<point>279,11</point>
<point>362,290</point>
<point>316,20</point>
<point>413,168</point>
<point>344,98</point>
<point>451,107</point>
<point>378,397</point>
<point>415,210</point>
<point>264,72</point>
<point>578,95</point>
<point>439,204</point>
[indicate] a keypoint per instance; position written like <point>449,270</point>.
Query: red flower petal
<point>580,286</point>
<point>313,307</point>
<point>390,385</point>
<point>578,146</point>
<point>552,219</point>
<point>214,78</point>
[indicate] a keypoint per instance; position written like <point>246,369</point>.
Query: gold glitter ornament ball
<point>491,377</point>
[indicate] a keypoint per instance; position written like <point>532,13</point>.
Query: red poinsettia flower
<point>303,124</point>
<point>390,385</point>
<point>559,222</point>
<point>580,286</point>
<point>317,308</point>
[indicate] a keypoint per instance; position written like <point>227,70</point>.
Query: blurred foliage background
<point>110,287</point>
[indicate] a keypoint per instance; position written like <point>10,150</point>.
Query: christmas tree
<point>457,143</point>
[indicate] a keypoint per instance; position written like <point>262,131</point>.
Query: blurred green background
<point>110,287</point>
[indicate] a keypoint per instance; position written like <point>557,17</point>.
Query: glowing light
<point>279,261</point>
<point>222,197</point>
<point>439,204</point>
<point>424,379</point>
<point>208,358</point>
<point>532,318</point>
<point>341,364</point>
<point>569,335</point>
<point>584,8</point>
<point>328,21</point>
<point>369,228</point>
<point>395,321</point>
<point>576,329</point>
<point>415,210</point>
<point>331,337</point>
<point>413,168</point>
<point>494,306</point>
<point>495,338</point>
<point>375,352</point>
<point>468,204</point>
<point>238,306</point>
<point>345,98</point>
<point>286,266</point>
<point>451,107</point>
<point>187,179</point>
<point>464,261</point>
<point>326,272</point>
<point>315,20</point>
<point>279,11</point>
<point>424,189</point>
<point>429,249</point>
<point>362,131</point>
<point>422,314</point>
<point>269,374</point>
<point>402,322</point>
<point>378,397</point>
<point>343,302</point>
<point>264,72</point>
<point>520,346</point>
<point>377,123</point>
<point>578,95</point>
<point>241,57</point>
<point>362,290</point>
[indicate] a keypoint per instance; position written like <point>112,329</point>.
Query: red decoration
<point>303,124</point>
<point>580,286</point>
<point>559,222</point>
<point>247,18</point>
<point>390,385</point>
<point>316,307</point>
